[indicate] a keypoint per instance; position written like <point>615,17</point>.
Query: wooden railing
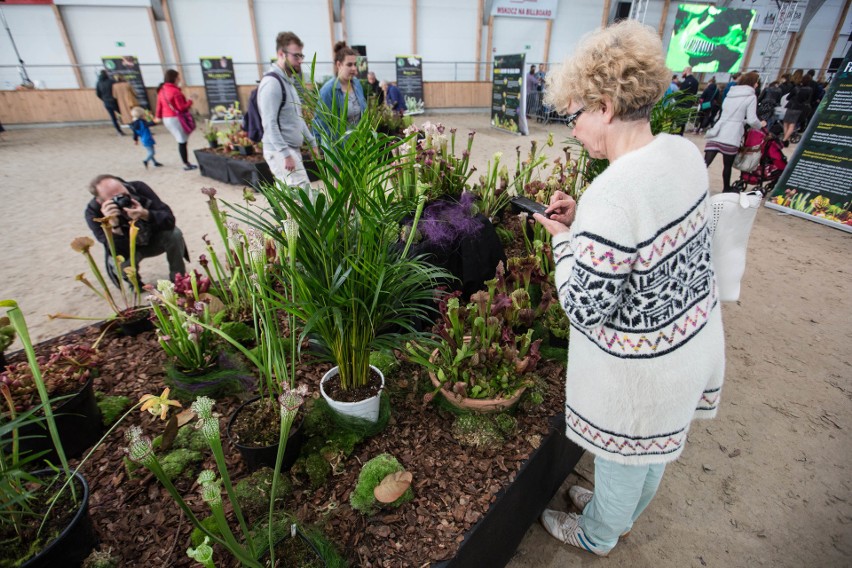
<point>82,105</point>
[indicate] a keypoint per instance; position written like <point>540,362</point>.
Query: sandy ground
<point>769,482</point>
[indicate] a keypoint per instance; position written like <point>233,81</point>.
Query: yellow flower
<point>82,244</point>
<point>158,404</point>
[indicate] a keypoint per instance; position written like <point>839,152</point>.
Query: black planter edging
<point>257,457</point>
<point>78,421</point>
<point>492,541</point>
<point>232,170</point>
<point>75,543</point>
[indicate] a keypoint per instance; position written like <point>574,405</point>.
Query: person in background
<point>817,92</point>
<point>104,92</point>
<point>710,94</point>
<point>689,85</point>
<point>541,76</point>
<point>140,129</point>
<point>766,103</point>
<point>633,384</point>
<point>798,107</point>
<point>731,82</point>
<point>739,109</point>
<point>170,102</point>
<point>280,108</point>
<point>123,202</point>
<point>343,94</point>
<point>393,97</point>
<point>786,84</point>
<point>375,88</point>
<point>531,85</point>
<point>673,88</point>
<point>126,98</point>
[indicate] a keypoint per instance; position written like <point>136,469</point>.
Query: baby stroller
<point>770,166</point>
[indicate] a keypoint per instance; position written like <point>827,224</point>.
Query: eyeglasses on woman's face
<point>569,120</point>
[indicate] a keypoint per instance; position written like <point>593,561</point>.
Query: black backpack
<point>252,123</point>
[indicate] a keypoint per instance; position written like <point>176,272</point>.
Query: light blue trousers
<point>621,494</point>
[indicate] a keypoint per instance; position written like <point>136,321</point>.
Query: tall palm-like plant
<point>355,287</point>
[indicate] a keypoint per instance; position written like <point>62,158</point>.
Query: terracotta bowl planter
<point>478,405</point>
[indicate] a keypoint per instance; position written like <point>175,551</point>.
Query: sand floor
<point>769,482</point>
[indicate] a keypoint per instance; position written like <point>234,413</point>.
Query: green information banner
<point>508,94</point>
<point>219,85</point>
<point>817,182</point>
<point>409,79</point>
<point>127,67</point>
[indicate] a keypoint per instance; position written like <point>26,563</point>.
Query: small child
<point>140,129</point>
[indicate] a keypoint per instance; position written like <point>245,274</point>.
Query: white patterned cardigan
<point>634,275</point>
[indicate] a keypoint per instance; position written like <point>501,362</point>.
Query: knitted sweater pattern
<point>635,278</point>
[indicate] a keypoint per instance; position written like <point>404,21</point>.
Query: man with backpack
<point>283,129</point>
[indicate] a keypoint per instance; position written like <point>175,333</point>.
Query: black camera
<point>123,200</point>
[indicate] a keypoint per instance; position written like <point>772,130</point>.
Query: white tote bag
<point>730,227</point>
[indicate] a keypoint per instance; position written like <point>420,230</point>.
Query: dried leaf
<point>392,486</point>
<point>184,417</point>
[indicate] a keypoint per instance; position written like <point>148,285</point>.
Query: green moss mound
<point>373,472</point>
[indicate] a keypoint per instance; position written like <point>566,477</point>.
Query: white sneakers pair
<point>566,526</point>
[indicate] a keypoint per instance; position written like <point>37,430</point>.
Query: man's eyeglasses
<point>298,56</point>
<point>569,120</point>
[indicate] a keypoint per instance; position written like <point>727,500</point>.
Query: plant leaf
<point>392,486</point>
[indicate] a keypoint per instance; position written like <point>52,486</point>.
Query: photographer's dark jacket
<point>160,218</point>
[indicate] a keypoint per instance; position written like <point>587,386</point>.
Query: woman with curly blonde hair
<point>634,275</point>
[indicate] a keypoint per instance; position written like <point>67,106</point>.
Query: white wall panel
<point>513,35</point>
<point>817,36</point>
<point>446,32</point>
<point>574,19</point>
<point>308,20</point>
<point>210,28</point>
<point>39,42</point>
<point>384,26</point>
<point>94,32</point>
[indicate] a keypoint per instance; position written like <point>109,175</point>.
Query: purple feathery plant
<point>444,222</point>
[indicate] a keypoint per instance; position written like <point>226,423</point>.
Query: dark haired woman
<point>170,103</point>
<point>342,95</point>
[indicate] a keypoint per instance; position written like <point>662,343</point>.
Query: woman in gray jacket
<point>739,109</point>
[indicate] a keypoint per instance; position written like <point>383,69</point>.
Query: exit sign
<point>119,44</point>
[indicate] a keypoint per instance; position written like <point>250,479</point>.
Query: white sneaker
<point>566,528</point>
<point>581,496</point>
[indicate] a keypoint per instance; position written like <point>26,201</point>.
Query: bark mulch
<point>453,485</point>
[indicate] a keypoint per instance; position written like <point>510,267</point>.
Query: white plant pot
<point>365,409</point>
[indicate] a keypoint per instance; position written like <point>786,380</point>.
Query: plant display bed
<point>234,169</point>
<point>471,506</point>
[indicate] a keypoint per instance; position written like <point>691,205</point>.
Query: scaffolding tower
<point>778,38</point>
<point>638,9</point>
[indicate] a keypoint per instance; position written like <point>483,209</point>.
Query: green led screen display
<point>709,39</point>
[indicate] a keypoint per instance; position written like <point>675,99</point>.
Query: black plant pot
<point>245,150</point>
<point>73,544</point>
<point>310,545</point>
<point>2,361</point>
<point>132,328</point>
<point>78,420</point>
<point>213,144</point>
<point>256,457</point>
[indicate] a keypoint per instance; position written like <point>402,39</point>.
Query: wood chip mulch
<point>453,485</point>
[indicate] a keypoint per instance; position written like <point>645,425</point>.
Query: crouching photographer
<point>123,202</point>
